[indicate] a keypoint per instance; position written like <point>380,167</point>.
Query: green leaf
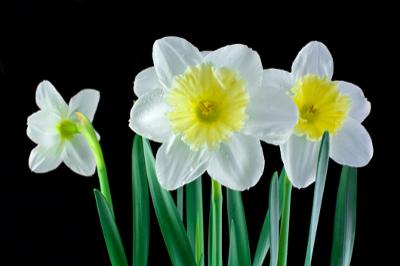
<point>322,168</point>
<point>345,218</point>
<point>274,219</point>
<point>233,259</point>
<point>215,226</point>
<point>241,249</point>
<point>194,218</point>
<point>170,223</point>
<point>140,194</point>
<point>285,219</point>
<point>111,235</point>
<point>263,242</point>
<point>179,201</point>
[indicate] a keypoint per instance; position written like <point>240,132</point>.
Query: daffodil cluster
<point>211,110</point>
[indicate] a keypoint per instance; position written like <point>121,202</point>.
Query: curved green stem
<point>86,129</point>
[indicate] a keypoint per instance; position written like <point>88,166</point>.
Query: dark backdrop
<point>51,219</point>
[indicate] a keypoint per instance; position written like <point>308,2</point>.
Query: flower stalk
<point>86,129</point>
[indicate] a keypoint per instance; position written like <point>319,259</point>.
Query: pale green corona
<point>208,104</point>
<point>322,107</point>
<point>67,129</point>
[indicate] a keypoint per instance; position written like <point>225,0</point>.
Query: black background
<point>51,219</point>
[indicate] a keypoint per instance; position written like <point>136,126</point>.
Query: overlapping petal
<point>300,158</point>
<point>86,102</point>
<point>146,81</point>
<point>352,145</point>
<point>272,113</point>
<point>177,164</point>
<point>242,59</point>
<point>238,164</point>
<point>360,106</point>
<point>314,58</point>
<point>78,156</point>
<point>48,98</point>
<point>148,116</point>
<point>172,56</point>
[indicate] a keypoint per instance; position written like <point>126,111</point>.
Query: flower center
<point>208,104</point>
<point>67,129</point>
<point>321,106</point>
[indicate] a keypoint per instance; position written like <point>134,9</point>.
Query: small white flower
<point>53,129</point>
<point>335,106</point>
<point>210,110</point>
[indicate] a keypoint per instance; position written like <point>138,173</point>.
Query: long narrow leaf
<point>194,218</point>
<point>263,242</point>
<point>241,249</point>
<point>233,259</point>
<point>274,219</point>
<point>170,223</point>
<point>111,235</point>
<point>140,194</point>
<point>345,218</point>
<point>322,168</point>
<point>285,219</point>
<point>215,226</point>
<point>179,201</point>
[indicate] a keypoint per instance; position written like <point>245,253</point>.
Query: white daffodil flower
<point>210,110</point>
<point>53,129</point>
<point>324,105</point>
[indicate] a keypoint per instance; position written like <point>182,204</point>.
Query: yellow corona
<point>208,104</point>
<point>321,106</point>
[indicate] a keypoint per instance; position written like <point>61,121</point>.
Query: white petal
<point>239,163</point>
<point>86,102</point>
<point>242,59</point>
<point>148,116</point>
<point>42,127</point>
<point>172,56</point>
<point>277,79</point>
<point>205,53</point>
<point>45,158</point>
<point>177,164</point>
<point>360,106</point>
<point>79,157</point>
<point>352,145</point>
<point>272,113</point>
<point>314,58</point>
<point>48,98</point>
<point>146,81</point>
<point>300,158</point>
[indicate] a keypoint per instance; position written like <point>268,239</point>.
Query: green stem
<point>86,129</point>
<point>284,231</point>
<point>215,234</point>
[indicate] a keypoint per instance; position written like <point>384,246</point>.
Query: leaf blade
<point>170,223</point>
<point>274,219</point>
<point>194,218</point>
<point>141,205</point>
<point>285,219</point>
<point>236,214</point>
<point>110,231</point>
<point>263,244</point>
<point>322,168</point>
<point>345,217</point>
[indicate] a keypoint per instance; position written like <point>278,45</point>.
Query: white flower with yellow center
<point>324,105</point>
<point>210,110</point>
<point>53,129</point>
